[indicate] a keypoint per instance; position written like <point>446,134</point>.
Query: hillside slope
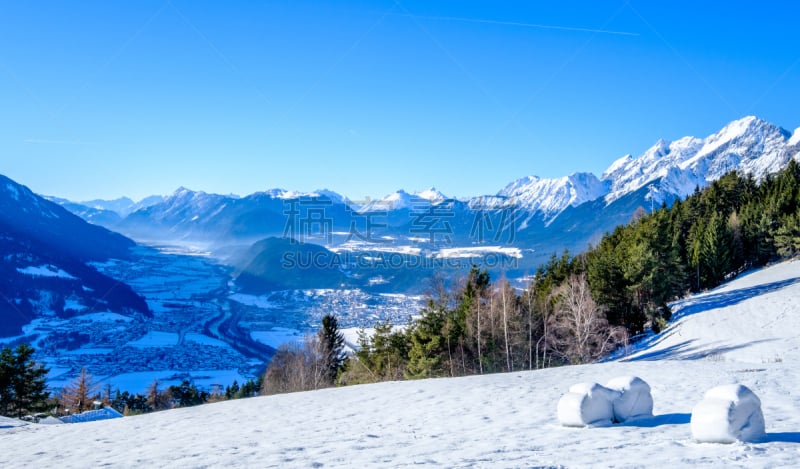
<point>504,420</point>
<point>750,320</point>
<point>44,271</point>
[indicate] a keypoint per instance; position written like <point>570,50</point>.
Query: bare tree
<point>156,398</point>
<point>78,396</point>
<point>580,332</point>
<point>296,368</point>
<point>479,337</point>
<point>508,306</point>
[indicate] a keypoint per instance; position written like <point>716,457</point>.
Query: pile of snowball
<point>726,414</point>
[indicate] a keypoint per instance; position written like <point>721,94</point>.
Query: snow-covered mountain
<point>44,272</point>
<point>668,169</point>
<point>748,145</point>
<point>549,197</point>
<point>122,206</point>
<point>548,214</point>
<point>401,199</point>
<point>498,420</point>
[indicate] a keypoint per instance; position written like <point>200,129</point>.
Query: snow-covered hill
<point>743,332</point>
<point>749,320</point>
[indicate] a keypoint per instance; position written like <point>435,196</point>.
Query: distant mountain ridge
<point>549,213</point>
<point>749,145</point>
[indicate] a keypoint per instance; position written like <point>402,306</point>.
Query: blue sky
<point>104,99</point>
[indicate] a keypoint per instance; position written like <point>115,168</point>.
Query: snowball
<point>726,414</point>
<point>634,401</point>
<point>587,404</point>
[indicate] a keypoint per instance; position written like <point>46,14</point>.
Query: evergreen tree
<point>331,342</point>
<point>22,382</point>
<point>232,391</point>
<point>427,345</point>
<point>187,394</point>
<point>787,236</point>
<point>715,250</point>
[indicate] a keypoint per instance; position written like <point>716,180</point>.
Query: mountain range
<point>537,216</point>
<point>666,171</point>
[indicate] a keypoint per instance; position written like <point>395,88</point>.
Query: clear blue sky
<point>103,99</point>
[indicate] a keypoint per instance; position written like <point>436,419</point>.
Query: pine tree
<point>428,349</point>
<point>187,394</point>
<point>22,382</point>
<point>787,236</point>
<point>715,250</point>
<point>331,342</point>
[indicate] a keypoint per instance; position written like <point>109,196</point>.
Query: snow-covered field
<point>753,319</point>
<point>744,332</point>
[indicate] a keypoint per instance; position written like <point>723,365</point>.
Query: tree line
<point>24,392</point>
<point>84,393</point>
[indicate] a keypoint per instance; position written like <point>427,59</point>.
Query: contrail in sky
<point>525,25</point>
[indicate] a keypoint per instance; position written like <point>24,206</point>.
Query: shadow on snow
<point>696,305</point>
<point>782,437</point>
<point>729,298</point>
<point>658,420</point>
<point>685,351</point>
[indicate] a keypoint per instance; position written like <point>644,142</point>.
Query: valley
<point>202,329</point>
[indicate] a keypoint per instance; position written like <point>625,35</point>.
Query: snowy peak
<point>629,174</point>
<point>15,196</point>
<point>668,169</point>
<point>398,200</point>
<point>431,194</point>
<point>123,205</point>
<point>617,167</point>
<point>284,194</point>
<point>401,199</point>
<point>795,138</point>
<point>749,145</point>
<point>549,197</point>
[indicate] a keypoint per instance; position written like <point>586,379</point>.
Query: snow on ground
<point>351,334</point>
<point>138,382</point>
<point>752,319</point>
<point>477,251</point>
<point>205,340</point>
<point>259,301</point>
<point>156,339</point>
<point>45,271</point>
<point>74,305</point>
<point>503,420</point>
<point>104,317</point>
<point>278,336</point>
